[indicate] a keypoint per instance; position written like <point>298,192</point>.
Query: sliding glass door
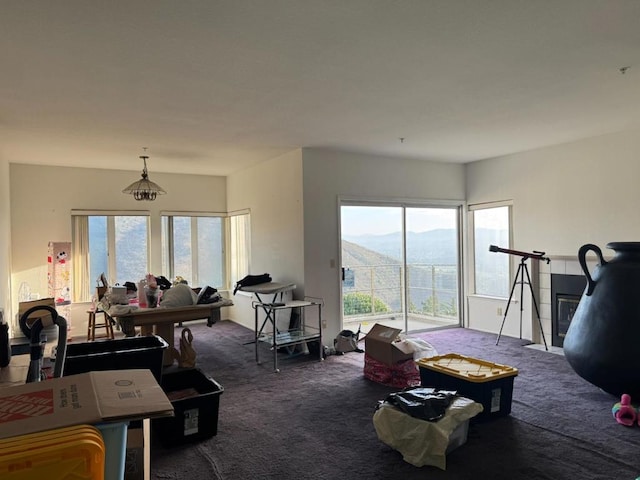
<point>400,266</point>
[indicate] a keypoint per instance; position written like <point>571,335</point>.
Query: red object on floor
<point>400,375</point>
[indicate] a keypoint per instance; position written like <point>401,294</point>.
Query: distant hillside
<point>432,247</point>
<point>433,264</point>
<point>435,247</point>
<point>381,275</point>
<point>354,254</point>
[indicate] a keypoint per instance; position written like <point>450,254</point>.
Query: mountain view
<point>374,262</point>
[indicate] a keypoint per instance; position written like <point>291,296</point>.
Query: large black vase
<point>602,343</point>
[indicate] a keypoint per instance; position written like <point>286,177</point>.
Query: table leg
<point>275,341</point>
<point>255,315</point>
<point>166,331</point>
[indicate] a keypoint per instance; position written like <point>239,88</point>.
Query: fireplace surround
<point>541,271</point>
<point>566,291</point>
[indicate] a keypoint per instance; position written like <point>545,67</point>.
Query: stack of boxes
<point>388,360</point>
<point>485,388</point>
<point>108,399</point>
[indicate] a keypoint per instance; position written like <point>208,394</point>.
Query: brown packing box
<point>380,344</point>
<point>87,398</point>
<point>46,317</point>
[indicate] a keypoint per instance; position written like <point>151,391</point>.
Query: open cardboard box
<point>43,314</point>
<point>382,344</point>
<point>87,398</point>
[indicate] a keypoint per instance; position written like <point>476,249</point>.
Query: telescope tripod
<point>519,279</point>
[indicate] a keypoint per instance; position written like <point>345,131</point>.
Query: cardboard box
<point>46,317</point>
<point>381,343</point>
<point>88,398</point>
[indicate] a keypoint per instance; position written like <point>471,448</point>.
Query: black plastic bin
<point>196,401</point>
<point>120,354</point>
<point>488,383</point>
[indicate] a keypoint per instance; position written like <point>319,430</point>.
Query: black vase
<point>5,345</point>
<point>603,338</point>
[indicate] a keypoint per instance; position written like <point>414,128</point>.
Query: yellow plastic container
<point>488,383</point>
<point>58,435</point>
<point>59,454</point>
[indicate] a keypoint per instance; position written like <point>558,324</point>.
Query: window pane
<point>131,249</point>
<point>182,248</point>
<point>491,227</point>
<point>240,248</point>
<point>210,253</point>
<point>432,261</point>
<point>98,256</point>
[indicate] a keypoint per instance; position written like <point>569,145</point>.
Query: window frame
<point>167,244</point>
<point>81,260</point>
<point>81,255</point>
<point>472,208</point>
<point>238,269</point>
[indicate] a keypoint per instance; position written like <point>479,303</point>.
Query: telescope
<point>535,254</point>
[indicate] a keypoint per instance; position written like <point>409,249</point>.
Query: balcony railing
<point>379,290</point>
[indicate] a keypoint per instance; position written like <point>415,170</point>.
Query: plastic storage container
<point>57,454</point>
<point>196,401</point>
<point>458,437</point>
<point>115,442</point>
<point>120,354</point>
<point>490,384</point>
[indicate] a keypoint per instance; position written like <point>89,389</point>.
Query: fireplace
<point>566,291</point>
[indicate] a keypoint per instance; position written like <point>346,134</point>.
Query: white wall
<point>563,197</point>
<point>5,240</point>
<point>42,198</point>
<point>272,191</point>
<point>329,175</point>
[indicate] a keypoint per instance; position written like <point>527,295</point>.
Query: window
<point>491,226</point>
<point>239,246</point>
<point>116,245</point>
<point>193,248</point>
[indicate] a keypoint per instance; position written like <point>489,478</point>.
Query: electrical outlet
<point>499,311</point>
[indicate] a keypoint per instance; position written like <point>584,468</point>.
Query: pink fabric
<point>400,375</point>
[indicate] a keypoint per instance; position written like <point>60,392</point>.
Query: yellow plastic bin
<point>54,454</point>
<point>488,383</point>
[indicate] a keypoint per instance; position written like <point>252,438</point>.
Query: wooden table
<point>161,321</point>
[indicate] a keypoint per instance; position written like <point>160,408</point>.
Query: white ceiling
<point>214,86</point>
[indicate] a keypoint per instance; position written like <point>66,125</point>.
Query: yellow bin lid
<point>467,368</point>
<point>55,455</point>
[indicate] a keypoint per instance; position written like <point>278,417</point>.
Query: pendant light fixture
<point>144,189</point>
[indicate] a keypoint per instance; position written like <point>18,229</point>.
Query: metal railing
<point>380,290</point>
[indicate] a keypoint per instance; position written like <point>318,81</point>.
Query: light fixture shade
<point>144,189</point>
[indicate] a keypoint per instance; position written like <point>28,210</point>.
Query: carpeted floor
<point>313,420</point>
